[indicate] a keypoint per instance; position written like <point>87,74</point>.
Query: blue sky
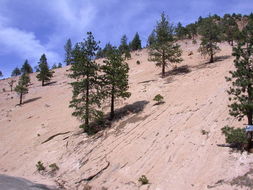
<point>29,28</point>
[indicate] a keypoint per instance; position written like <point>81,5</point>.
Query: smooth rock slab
<point>17,183</point>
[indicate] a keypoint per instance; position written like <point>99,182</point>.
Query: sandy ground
<point>163,142</point>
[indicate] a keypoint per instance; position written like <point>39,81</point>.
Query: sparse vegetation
<point>143,180</point>
<point>54,167</point>
<point>11,83</point>
<point>204,132</point>
<point>159,99</point>
<point>40,166</point>
<point>235,136</point>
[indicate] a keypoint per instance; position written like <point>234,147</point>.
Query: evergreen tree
<point>164,49</point>
<point>59,65</point>
<point>124,47</point>
<point>16,72</point>
<point>151,38</point>
<point>44,74</point>
<point>192,31</point>
<point>230,29</point>
<point>26,68</point>
<point>241,89</point>
<point>136,42</point>
<point>210,35</point>
<point>68,49</point>
<point>1,74</point>
<point>54,66</point>
<point>115,77</point>
<point>181,32</point>
<point>22,87</point>
<point>87,86</point>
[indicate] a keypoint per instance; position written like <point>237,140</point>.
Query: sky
<point>30,28</point>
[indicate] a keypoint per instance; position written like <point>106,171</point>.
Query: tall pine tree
<point>164,49</point>
<point>115,78</point>
<point>26,68</point>
<point>16,72</point>
<point>22,86</point>
<point>87,86</point>
<point>124,47</point>
<point>210,36</point>
<point>44,74</point>
<point>68,49</point>
<point>136,43</point>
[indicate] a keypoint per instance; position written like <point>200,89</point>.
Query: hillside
<point>163,142</point>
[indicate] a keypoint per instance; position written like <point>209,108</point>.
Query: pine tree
<point>68,49</point>
<point>210,35</point>
<point>151,38</point>
<point>26,68</point>
<point>115,77</point>
<point>1,74</point>
<point>16,72</point>
<point>181,32</point>
<point>44,74</point>
<point>230,29</point>
<point>87,86</point>
<point>164,49</point>
<point>59,65</point>
<point>22,87</point>
<point>192,31</point>
<point>136,43</point>
<point>124,47</point>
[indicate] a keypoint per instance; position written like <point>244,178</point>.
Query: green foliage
<point>235,136</point>
<point>241,90</point>
<point>124,47</point>
<point>54,167</point>
<point>151,38</point>
<point>136,43</point>
<point>40,166</point>
<point>158,98</point>
<point>1,74</point>
<point>143,180</point>
<point>192,31</point>
<point>22,86</point>
<point>101,53</point>
<point>44,74</point>
<point>26,68</point>
<point>181,32</point>
<point>115,78</point>
<point>59,65</point>
<point>16,72</point>
<point>163,49</point>
<point>68,50</point>
<point>87,85</point>
<point>210,35</point>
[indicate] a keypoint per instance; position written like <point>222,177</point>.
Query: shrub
<point>143,180</point>
<point>204,132</point>
<point>138,62</point>
<point>194,41</point>
<point>158,98</point>
<point>53,167</point>
<point>40,166</point>
<point>236,137</point>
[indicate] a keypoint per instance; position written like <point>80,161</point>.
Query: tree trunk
<point>249,116</point>
<point>163,65</point>
<point>211,52</point>
<point>87,114</point>
<point>112,104</point>
<point>21,98</point>
<point>43,82</point>
<point>232,43</point>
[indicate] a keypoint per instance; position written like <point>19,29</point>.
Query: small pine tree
<point>181,32</point>
<point>210,35</point>
<point>26,68</point>
<point>22,87</point>
<point>124,47</point>
<point>59,65</point>
<point>115,77</point>
<point>164,50</point>
<point>68,49</point>
<point>44,74</point>
<point>151,38</point>
<point>1,74</point>
<point>16,72</point>
<point>54,66</point>
<point>87,86</point>
<point>136,43</point>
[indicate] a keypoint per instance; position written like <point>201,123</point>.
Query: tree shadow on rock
<point>178,71</point>
<point>50,83</point>
<point>120,113</point>
<point>30,100</point>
